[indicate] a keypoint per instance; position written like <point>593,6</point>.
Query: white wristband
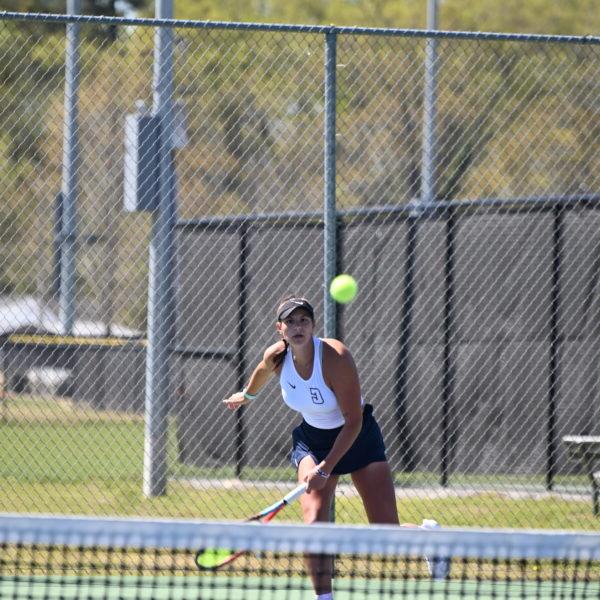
<point>322,474</point>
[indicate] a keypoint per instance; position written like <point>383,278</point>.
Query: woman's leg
<point>376,488</point>
<point>315,508</point>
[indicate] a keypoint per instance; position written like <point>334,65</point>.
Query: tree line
<point>522,121</point>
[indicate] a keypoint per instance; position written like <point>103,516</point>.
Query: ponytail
<point>279,358</point>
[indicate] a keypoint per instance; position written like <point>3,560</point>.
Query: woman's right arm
<point>263,371</point>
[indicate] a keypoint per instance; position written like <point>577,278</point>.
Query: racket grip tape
<point>294,494</point>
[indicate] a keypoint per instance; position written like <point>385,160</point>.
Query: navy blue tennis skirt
<point>366,449</point>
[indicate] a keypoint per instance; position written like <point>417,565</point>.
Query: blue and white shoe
<point>439,567</point>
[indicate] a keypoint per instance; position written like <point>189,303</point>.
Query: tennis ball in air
<point>343,288</point>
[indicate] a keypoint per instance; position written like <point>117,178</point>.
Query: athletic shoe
<point>439,567</point>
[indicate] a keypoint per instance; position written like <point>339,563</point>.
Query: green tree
<point>89,7</point>
<point>567,17</point>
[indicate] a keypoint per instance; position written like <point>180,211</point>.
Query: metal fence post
<point>71,159</point>
<point>330,210</point>
<point>401,413</point>
<point>161,271</point>
<point>240,429</point>
<point>447,434</point>
<point>554,358</point>
<point>428,191</point>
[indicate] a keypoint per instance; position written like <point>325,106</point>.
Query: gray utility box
<point>142,139</point>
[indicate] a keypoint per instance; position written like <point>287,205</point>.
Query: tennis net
<point>73,557</point>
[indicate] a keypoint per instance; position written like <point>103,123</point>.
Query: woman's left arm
<point>340,374</point>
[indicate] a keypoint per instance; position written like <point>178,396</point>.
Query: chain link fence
<point>476,328</point>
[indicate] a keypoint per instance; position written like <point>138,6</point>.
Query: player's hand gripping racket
<point>210,559</point>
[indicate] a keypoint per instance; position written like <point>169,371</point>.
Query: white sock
<point>328,596</point>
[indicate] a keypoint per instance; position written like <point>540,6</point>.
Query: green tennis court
<point>275,588</point>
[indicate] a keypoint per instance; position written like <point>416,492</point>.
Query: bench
<point>586,450</point>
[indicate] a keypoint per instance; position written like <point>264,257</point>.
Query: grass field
<point>59,458</point>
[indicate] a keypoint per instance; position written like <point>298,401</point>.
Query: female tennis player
<point>338,434</point>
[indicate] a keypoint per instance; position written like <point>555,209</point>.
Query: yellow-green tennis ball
<point>343,288</point>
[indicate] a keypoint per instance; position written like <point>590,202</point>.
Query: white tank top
<point>311,397</point>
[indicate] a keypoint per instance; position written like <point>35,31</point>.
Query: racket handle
<point>294,494</point>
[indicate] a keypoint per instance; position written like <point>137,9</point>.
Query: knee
<point>315,512</point>
<point>311,515</point>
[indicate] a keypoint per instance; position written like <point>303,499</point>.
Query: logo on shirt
<point>315,396</point>
<point>292,385</point>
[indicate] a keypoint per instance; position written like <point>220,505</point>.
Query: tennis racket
<point>210,559</point>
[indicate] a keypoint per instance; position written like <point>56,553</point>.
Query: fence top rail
<point>412,209</point>
<point>289,28</point>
